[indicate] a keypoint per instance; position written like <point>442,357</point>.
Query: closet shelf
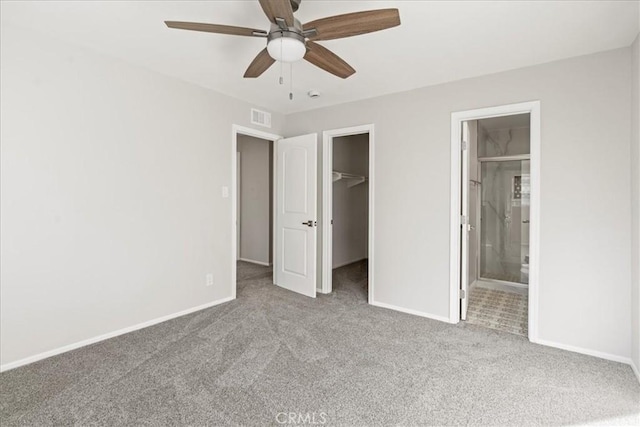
<point>352,179</point>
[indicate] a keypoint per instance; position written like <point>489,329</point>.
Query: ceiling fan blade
<point>353,24</point>
<point>214,28</point>
<point>260,64</point>
<point>323,58</point>
<point>278,9</point>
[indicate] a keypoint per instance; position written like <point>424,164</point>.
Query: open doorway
<point>347,263</point>
<point>253,196</point>
<point>255,205</point>
<point>498,197</point>
<point>495,207</point>
<point>290,190</point>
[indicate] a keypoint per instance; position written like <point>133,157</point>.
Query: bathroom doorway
<point>499,202</point>
<point>496,204</point>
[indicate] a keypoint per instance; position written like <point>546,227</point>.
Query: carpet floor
<point>272,357</point>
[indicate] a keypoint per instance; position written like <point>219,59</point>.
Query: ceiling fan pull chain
<point>291,81</point>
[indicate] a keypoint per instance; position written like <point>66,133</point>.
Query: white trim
<point>326,215</point>
<point>463,210</point>
<point>327,199</point>
<point>89,341</point>
<point>533,108</point>
<point>353,261</point>
<point>409,311</point>
<point>253,261</point>
<point>235,130</point>
<point>588,352</point>
<point>238,204</point>
<point>635,369</point>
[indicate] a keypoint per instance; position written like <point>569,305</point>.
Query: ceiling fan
<point>288,40</point>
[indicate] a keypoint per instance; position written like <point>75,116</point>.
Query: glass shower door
<point>504,232</point>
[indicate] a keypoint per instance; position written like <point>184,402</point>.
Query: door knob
<point>309,223</point>
<point>525,221</point>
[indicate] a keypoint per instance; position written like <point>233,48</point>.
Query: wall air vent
<point>261,118</point>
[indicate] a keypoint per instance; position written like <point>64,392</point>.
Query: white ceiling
<point>437,41</point>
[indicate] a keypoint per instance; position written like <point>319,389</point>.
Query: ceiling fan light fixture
<point>286,48</point>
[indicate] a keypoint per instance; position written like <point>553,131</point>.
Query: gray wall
<point>635,198</point>
<point>112,211</point>
<point>256,180</point>
<point>585,184</point>
<point>350,205</point>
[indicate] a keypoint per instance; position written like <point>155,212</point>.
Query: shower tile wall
<point>503,142</point>
<point>504,240</point>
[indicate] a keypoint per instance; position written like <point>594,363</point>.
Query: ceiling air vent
<point>261,118</point>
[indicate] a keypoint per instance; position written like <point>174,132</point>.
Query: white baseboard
<point>409,311</point>
<point>83,343</point>
<point>588,352</point>
<point>253,261</point>
<point>635,370</point>
<point>342,264</point>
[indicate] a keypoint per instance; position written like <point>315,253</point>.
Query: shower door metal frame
<point>457,118</point>
<point>515,158</point>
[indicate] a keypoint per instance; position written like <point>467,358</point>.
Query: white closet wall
<point>350,204</point>
<point>255,198</point>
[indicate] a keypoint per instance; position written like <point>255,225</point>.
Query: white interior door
<point>465,226</point>
<point>296,222</point>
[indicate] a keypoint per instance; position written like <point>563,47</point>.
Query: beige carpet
<point>500,310</point>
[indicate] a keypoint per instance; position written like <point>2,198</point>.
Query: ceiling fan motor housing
<point>286,45</point>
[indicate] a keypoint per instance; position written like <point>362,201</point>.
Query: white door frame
<point>327,203</point>
<point>235,131</point>
<point>533,108</point>
<point>238,204</point>
<point>464,207</point>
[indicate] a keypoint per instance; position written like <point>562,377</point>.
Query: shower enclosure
<point>504,218</point>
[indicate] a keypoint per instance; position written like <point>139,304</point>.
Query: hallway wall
<point>256,180</point>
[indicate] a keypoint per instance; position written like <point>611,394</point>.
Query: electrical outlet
<point>225,192</point>
<point>209,279</point>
